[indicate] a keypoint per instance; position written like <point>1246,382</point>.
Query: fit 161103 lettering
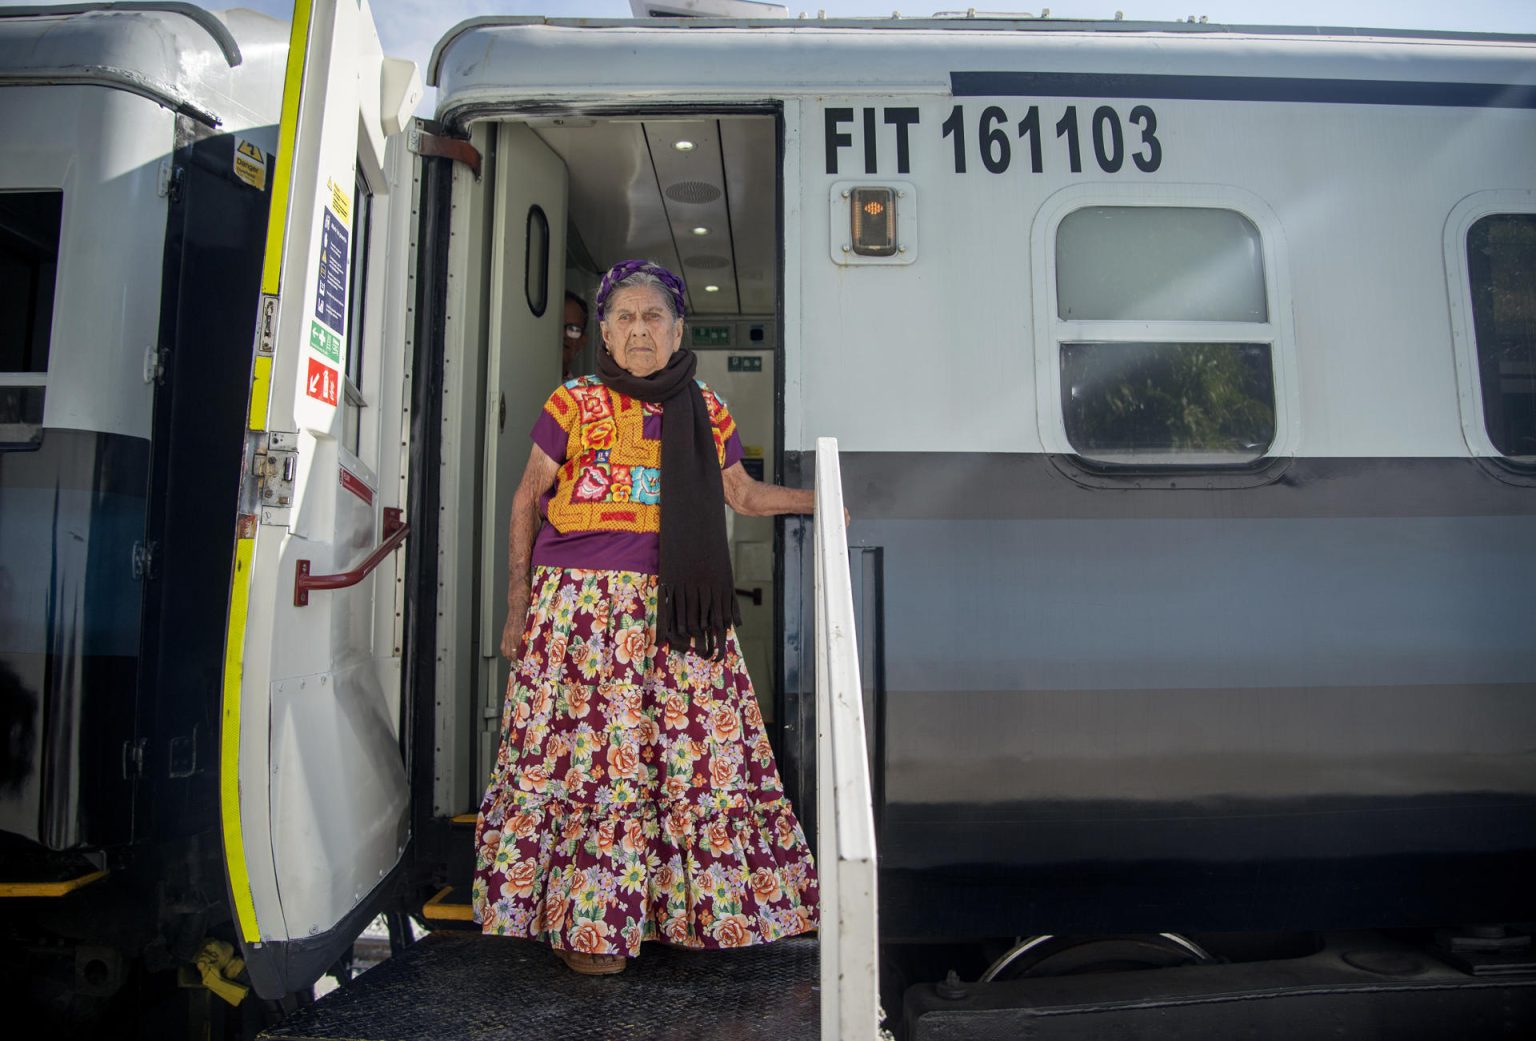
<point>1118,144</point>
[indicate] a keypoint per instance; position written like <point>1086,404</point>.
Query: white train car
<point>1185,382</point>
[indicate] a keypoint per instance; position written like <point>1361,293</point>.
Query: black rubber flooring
<point>461,986</point>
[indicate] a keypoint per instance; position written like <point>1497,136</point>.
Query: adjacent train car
<point>1185,382</point>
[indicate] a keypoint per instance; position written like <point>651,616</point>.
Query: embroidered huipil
<point>605,509</point>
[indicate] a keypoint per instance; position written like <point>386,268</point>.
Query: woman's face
<point>639,329</point>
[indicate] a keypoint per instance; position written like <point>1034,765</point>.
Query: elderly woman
<point>635,796</point>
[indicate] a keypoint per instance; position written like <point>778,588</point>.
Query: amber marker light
<point>873,213</point>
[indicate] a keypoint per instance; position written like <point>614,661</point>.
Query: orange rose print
<point>555,907</point>
<point>634,835</point>
<point>750,712</point>
<point>722,772</point>
<point>666,878</point>
<point>590,937</point>
<point>676,931</point>
<point>522,877</point>
<point>534,779</point>
<point>605,836</point>
<point>719,836</point>
<point>766,885</point>
<point>724,724</point>
<point>675,712</point>
<point>579,699</point>
<point>624,760</point>
<point>732,931</point>
<point>632,644</point>
<point>522,825</point>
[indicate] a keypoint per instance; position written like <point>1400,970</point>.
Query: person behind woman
<point>635,795</point>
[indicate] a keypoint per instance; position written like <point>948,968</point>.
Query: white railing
<point>845,821</point>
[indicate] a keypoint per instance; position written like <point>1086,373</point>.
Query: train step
<point>457,985</point>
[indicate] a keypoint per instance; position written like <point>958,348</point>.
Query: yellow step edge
<point>439,911</point>
<point>33,889</point>
<point>464,818</point>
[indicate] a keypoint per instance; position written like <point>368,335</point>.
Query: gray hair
<point>638,279</point>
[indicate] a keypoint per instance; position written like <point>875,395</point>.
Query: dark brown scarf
<point>698,593</point>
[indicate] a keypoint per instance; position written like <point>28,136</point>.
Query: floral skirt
<point>635,795</point>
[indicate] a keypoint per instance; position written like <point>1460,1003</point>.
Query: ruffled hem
<point>604,880</point>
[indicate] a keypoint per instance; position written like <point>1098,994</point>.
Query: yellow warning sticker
<point>341,202</point>
<point>250,164</point>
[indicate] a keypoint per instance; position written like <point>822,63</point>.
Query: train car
<point>1185,382</point>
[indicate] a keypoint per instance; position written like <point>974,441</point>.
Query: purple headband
<point>624,268</point>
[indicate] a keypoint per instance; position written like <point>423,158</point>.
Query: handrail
<point>845,821</point>
<point>395,531</point>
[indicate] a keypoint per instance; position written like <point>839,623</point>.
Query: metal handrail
<point>845,820</point>
<point>395,531</point>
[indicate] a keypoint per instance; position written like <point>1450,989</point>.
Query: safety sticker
<point>331,285</point>
<point>325,342</point>
<point>340,201</point>
<point>322,382</point>
<point>250,164</point>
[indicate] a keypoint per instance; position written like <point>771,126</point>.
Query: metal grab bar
<point>395,531</point>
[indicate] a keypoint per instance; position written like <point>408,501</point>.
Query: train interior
<point>558,201</point>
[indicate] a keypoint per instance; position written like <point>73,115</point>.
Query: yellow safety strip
<point>240,583</point>
<point>287,132</point>
<point>439,911</point>
<point>29,889</point>
<point>261,392</point>
<point>229,749</point>
<point>465,818</point>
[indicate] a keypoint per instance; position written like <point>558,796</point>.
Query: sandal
<point>591,964</point>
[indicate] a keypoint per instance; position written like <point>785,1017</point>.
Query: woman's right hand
<point>517,617</point>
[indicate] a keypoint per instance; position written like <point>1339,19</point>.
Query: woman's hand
<point>517,617</point>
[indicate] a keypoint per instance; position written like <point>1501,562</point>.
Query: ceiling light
<point>711,289</point>
<point>683,146</point>
<point>701,231</point>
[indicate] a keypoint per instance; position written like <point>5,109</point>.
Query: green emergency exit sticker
<point>711,336</point>
<point>744,363</point>
<point>324,341</point>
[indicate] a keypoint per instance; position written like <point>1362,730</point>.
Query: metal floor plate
<point>460,985</point>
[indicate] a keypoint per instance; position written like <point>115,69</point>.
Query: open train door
<point>313,786</point>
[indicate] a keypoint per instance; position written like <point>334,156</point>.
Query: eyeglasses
<point>573,331</point>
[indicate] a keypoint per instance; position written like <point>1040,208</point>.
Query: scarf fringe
<point>696,617</point>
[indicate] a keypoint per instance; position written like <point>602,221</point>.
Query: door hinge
<point>144,562</point>
<point>418,140</point>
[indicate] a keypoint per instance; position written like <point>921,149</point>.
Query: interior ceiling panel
<point>751,178</point>
<point>635,194</point>
<point>614,199</point>
<point>691,172</point>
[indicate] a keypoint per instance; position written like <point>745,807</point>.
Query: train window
<point>536,261</point>
<point>352,386</point>
<point>1187,403</point>
<point>29,259</point>
<point>1159,263</point>
<point>1501,267</point>
<point>1163,336</point>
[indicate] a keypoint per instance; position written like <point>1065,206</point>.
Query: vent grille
<point>695,192</point>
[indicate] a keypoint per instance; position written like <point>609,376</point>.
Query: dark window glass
<point>1501,263</point>
<point>1184,403</point>
<point>536,261</point>
<point>29,259</point>
<point>357,297</point>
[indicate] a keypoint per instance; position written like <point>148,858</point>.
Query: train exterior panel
<point>1185,387</point>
